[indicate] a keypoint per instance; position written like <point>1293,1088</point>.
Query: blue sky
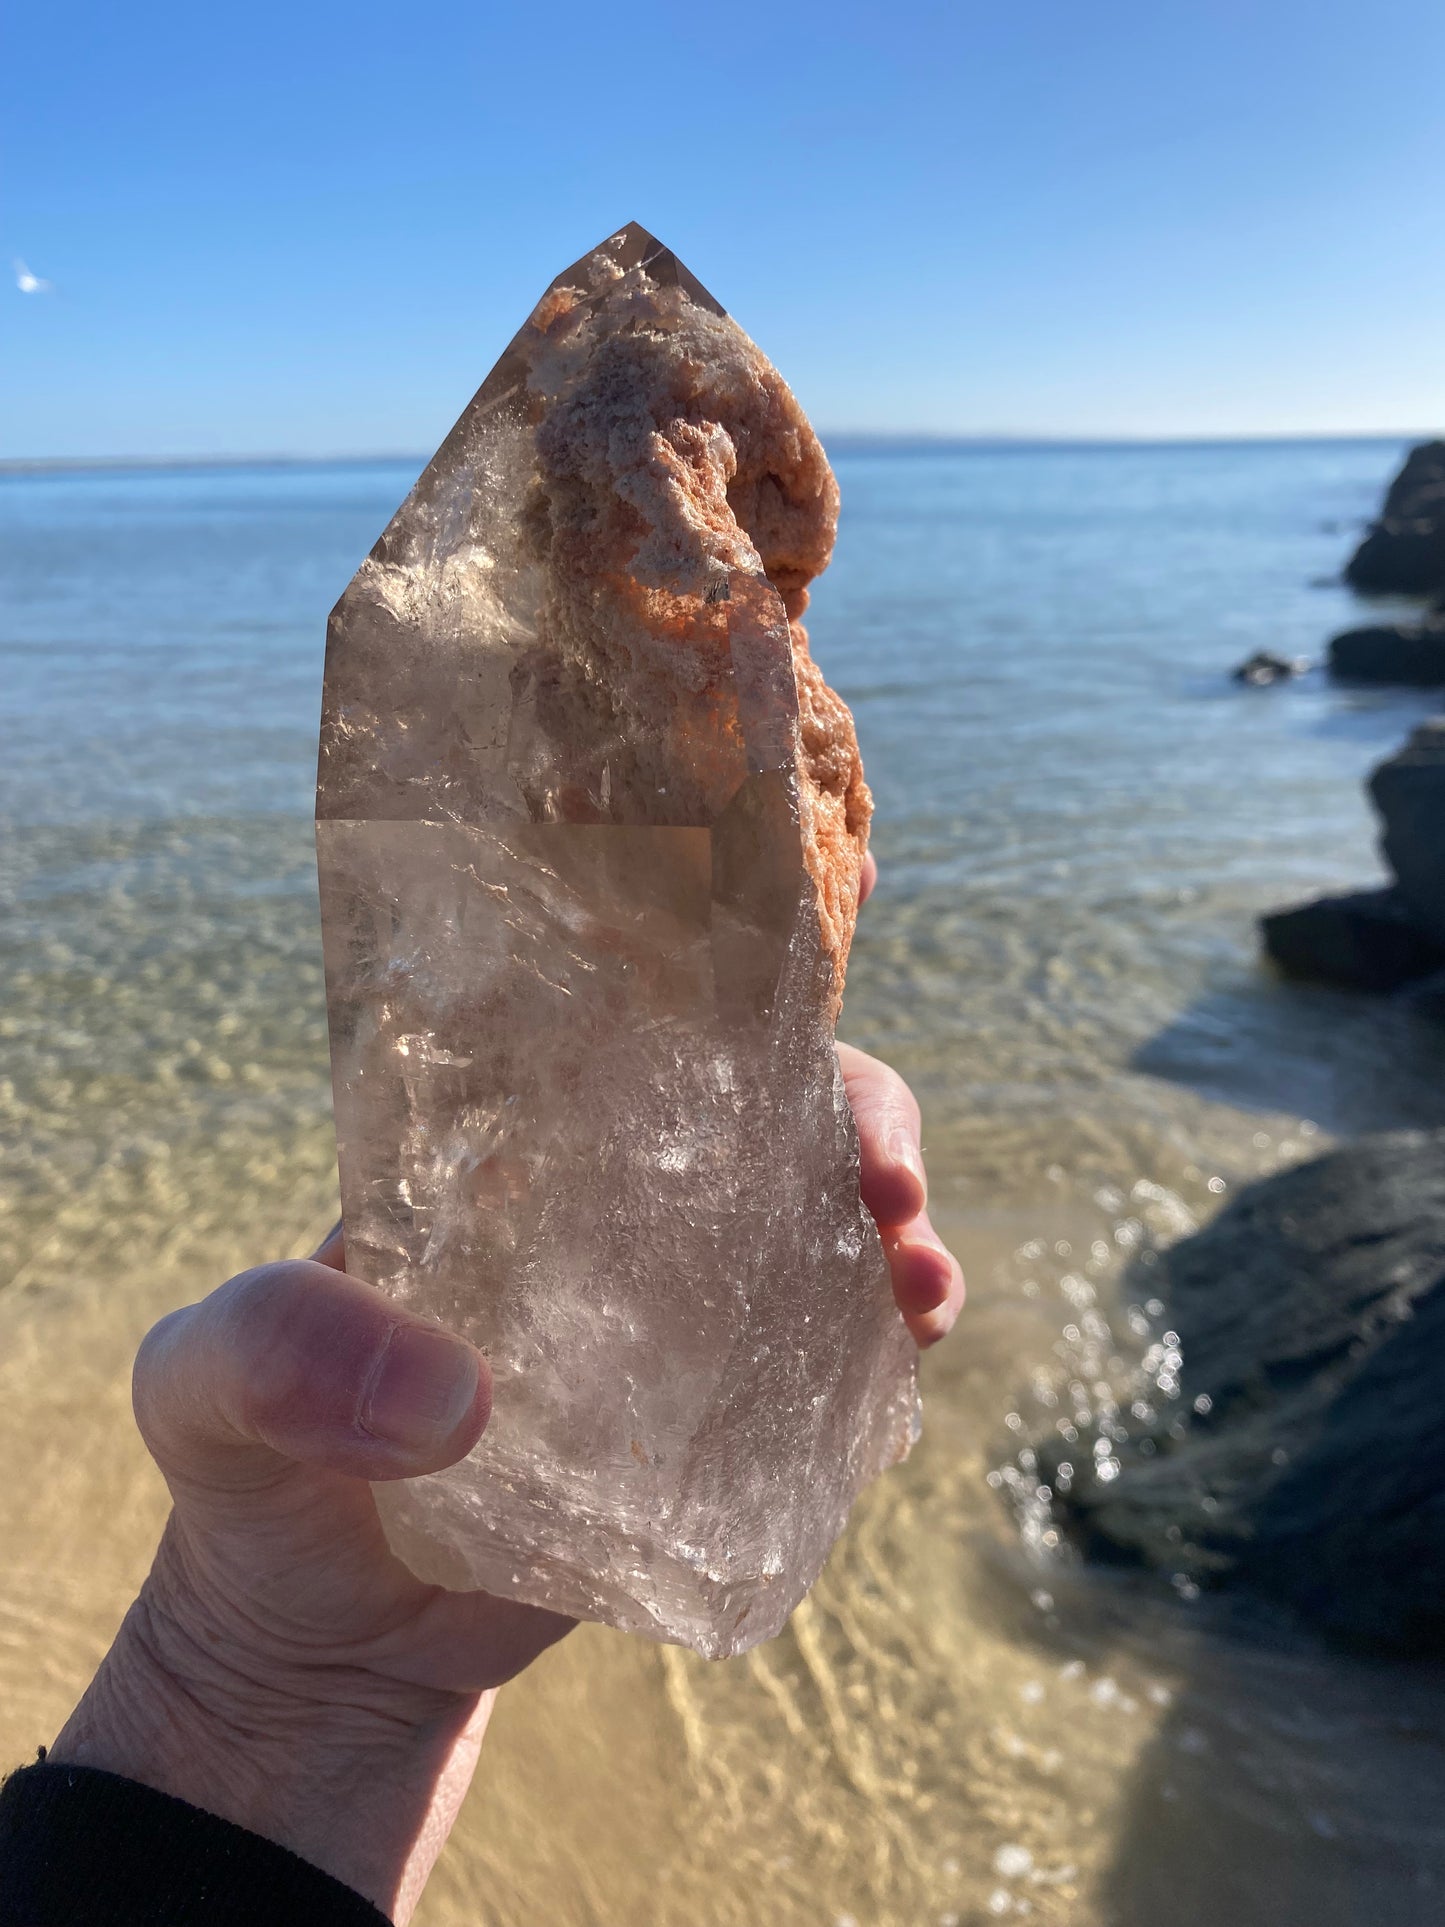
<point>311,227</point>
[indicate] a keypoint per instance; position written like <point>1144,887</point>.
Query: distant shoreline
<point>841,443</point>
<point>171,464</point>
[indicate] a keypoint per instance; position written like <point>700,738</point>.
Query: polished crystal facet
<point>589,826</point>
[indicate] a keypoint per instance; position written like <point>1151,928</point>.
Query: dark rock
<point>1373,940</point>
<point>1404,551</point>
<point>1409,792</point>
<point>1421,480</point>
<point>1354,1537</point>
<point>1400,559</point>
<point>1311,1322</point>
<point>1412,653</point>
<point>1264,667</point>
<point>1427,997</point>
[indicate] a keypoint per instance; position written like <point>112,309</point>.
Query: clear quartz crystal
<point>581,1002</point>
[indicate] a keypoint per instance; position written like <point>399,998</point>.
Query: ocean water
<point>1079,819</point>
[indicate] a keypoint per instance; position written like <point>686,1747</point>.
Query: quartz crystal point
<point>590,826</point>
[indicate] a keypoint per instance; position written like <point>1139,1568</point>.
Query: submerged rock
<point>1412,654</point>
<point>1310,1319</point>
<point>1403,552</point>
<point>1371,940</point>
<point>1263,668</point>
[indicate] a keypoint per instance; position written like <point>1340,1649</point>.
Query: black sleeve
<point>79,1848</point>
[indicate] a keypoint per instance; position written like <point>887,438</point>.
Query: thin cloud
<point>29,283</point>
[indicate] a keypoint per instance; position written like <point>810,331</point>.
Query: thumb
<point>297,1363</point>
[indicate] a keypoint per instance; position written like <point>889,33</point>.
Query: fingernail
<point>903,1149</point>
<point>423,1387</point>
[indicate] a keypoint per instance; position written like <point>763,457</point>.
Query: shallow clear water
<point>1079,819</point>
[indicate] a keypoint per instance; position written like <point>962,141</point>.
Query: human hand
<point>281,1668</point>
<point>927,1278</point>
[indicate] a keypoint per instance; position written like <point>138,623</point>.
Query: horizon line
<point>879,441</point>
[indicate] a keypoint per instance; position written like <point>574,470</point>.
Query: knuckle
<point>260,1331</point>
<point>260,1293</point>
<point>193,1363</point>
<point>258,1313</point>
<point>151,1373</point>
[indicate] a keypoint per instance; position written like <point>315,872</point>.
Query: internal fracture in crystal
<point>590,826</point>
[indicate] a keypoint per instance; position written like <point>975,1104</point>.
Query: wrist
<point>359,1773</point>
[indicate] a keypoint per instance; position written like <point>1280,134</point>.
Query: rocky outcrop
<point>1310,1317</point>
<point>1427,997</point>
<point>1382,939</point>
<point>1403,553</point>
<point>1371,940</point>
<point>1420,482</point>
<point>1408,653</point>
<point>1409,792</point>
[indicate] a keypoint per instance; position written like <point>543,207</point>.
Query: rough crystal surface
<point>589,826</point>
